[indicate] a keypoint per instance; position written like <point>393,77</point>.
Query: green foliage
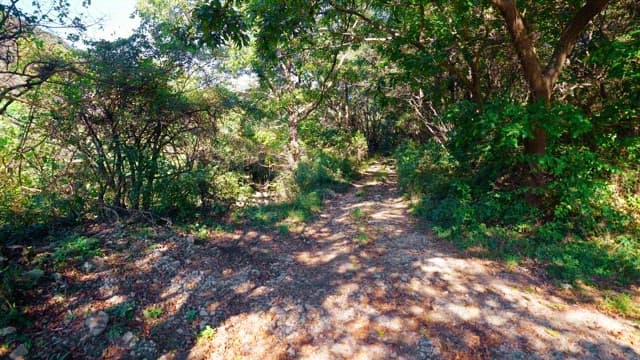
<point>12,286</point>
<point>424,169</point>
<point>363,239</point>
<point>191,315</point>
<point>357,214</point>
<point>76,248</point>
<point>583,226</point>
<point>302,208</point>
<point>153,312</point>
<point>230,188</point>
<point>206,334</point>
<point>324,171</point>
<point>124,311</point>
<point>623,304</point>
<point>114,333</point>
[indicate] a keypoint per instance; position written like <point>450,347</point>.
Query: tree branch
<point>524,47</point>
<point>569,37</point>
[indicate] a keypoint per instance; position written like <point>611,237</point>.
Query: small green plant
<point>144,232</point>
<point>125,310</point>
<point>361,193</point>
<point>152,312</point>
<point>76,248</point>
<point>206,334</point>
<point>512,261</point>
<point>622,303</point>
<point>202,235</point>
<point>70,316</point>
<point>153,247</point>
<point>283,229</point>
<point>357,213</point>
<point>191,315</point>
<point>114,333</point>
<point>363,239</point>
<point>381,175</point>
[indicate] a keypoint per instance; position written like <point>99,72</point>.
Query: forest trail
<point>361,281</point>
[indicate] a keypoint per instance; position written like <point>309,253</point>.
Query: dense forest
<point>511,129</point>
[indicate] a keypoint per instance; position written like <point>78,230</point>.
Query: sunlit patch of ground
<point>322,294</point>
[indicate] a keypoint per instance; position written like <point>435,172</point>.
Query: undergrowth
<point>318,177</point>
<point>586,227</point>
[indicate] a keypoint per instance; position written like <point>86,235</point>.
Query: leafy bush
<point>76,248</point>
<point>324,171</point>
<point>585,223</point>
<point>424,169</point>
<point>230,188</point>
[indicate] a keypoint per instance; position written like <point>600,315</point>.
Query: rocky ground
<point>361,281</point>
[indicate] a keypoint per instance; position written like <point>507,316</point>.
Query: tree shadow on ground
<point>325,294</point>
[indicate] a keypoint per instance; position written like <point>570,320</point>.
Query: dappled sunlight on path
<point>400,294</point>
<point>361,281</point>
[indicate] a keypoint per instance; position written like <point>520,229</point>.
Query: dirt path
<point>362,281</point>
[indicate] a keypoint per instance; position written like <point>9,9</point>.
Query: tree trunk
<point>294,144</point>
<point>541,81</point>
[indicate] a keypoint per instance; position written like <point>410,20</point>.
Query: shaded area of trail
<point>362,281</point>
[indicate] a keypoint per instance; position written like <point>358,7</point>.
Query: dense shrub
<point>584,224</point>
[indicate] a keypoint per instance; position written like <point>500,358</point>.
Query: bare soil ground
<point>361,281</point>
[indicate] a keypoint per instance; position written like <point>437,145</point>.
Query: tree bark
<point>541,81</point>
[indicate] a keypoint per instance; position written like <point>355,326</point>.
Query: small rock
<point>7,331</point>
<point>291,352</point>
<point>97,323</point>
<point>19,353</point>
<point>129,340</point>
<point>116,300</point>
<point>566,286</point>
<point>88,266</point>
<point>204,312</point>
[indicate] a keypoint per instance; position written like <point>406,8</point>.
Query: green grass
<point>302,209</point>
<point>153,312</point>
<point>191,315</point>
<point>124,311</point>
<point>357,214</point>
<point>623,304</point>
<point>381,175</point>
<point>363,239</point>
<point>143,232</point>
<point>206,334</point>
<point>283,229</point>
<point>76,248</point>
<point>512,261</point>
